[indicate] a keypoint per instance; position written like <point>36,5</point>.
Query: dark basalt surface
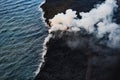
<point>88,60</point>
<point>53,7</point>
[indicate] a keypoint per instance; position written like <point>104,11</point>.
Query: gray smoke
<point>97,21</point>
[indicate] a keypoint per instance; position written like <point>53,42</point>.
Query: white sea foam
<point>98,19</point>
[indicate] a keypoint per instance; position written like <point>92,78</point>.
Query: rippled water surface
<point>22,33</point>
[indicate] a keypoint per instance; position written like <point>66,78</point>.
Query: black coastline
<point>89,61</point>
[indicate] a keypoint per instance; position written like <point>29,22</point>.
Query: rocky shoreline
<point>90,61</point>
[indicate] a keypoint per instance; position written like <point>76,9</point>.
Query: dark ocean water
<point>22,33</point>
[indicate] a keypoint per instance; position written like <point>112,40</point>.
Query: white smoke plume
<point>97,20</point>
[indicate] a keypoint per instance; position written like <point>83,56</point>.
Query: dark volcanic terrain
<point>86,60</point>
<point>53,7</point>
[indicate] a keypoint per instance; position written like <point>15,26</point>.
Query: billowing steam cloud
<point>98,21</point>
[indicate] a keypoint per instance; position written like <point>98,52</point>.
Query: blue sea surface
<point>22,34</point>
